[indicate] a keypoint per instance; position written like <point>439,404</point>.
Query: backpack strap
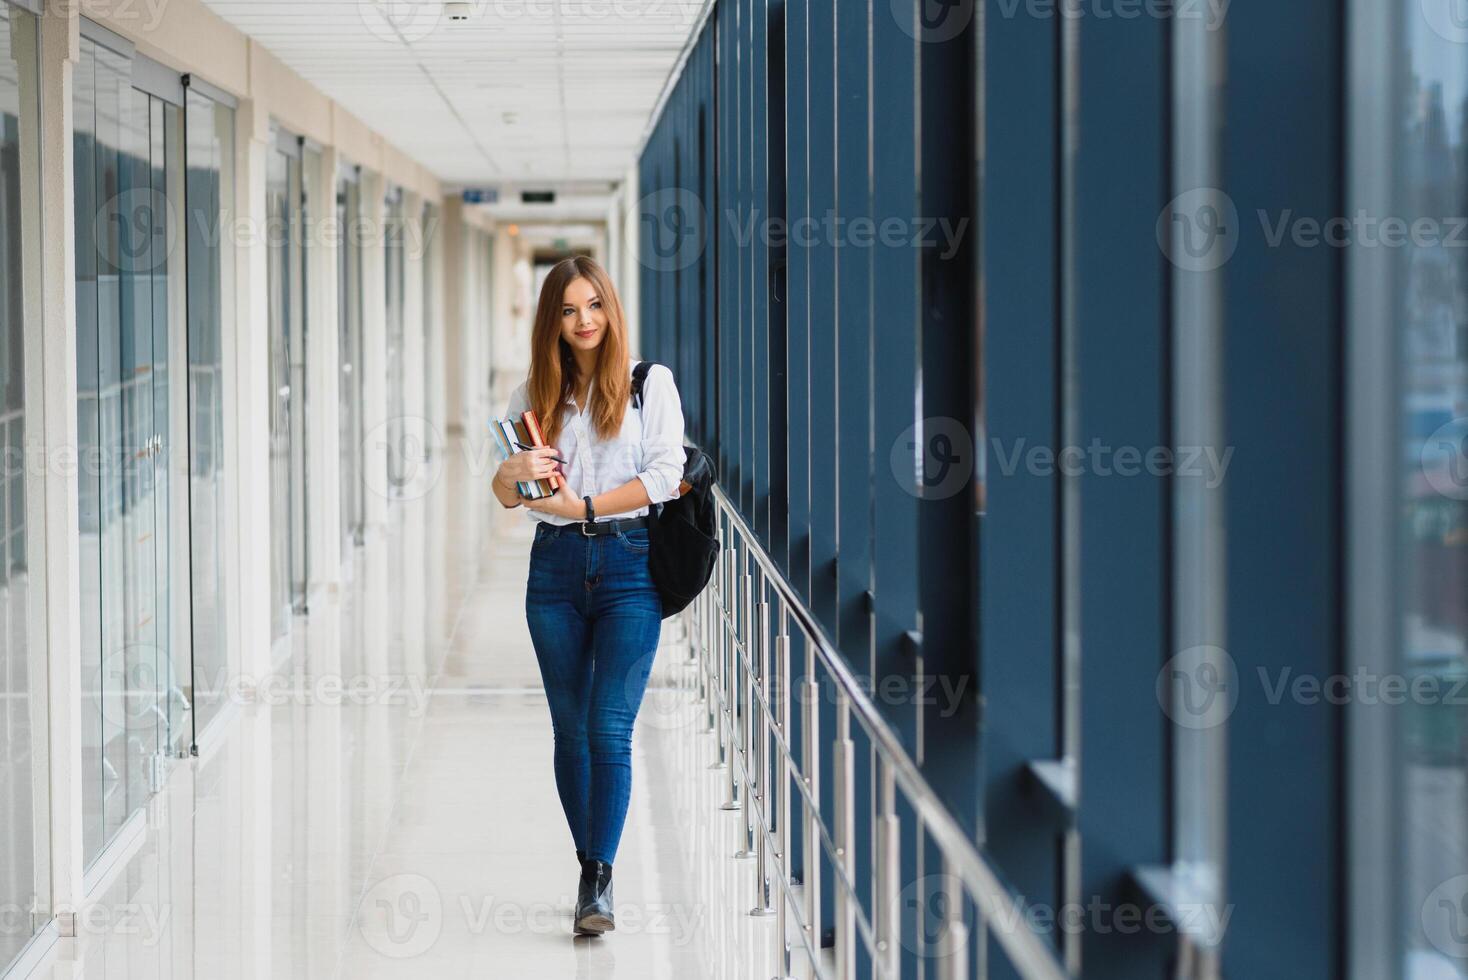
<point>639,375</point>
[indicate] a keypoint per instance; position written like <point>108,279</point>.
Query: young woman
<point>593,612</point>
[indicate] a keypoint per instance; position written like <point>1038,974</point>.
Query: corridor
<point>385,806</point>
<point>1042,426</point>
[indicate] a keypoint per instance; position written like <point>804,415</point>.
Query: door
<point>127,172</point>
<point>349,325</point>
<point>284,204</point>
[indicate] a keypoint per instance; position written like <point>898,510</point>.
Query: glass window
<point>210,202</point>
<point>287,305</point>
<point>127,147</point>
<point>349,352</point>
<point>1429,314</point>
<point>24,807</point>
<point>393,278</point>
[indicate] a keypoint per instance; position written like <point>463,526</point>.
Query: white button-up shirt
<point>649,447</point>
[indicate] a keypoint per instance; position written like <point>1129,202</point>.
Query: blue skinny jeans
<point>594,619</point>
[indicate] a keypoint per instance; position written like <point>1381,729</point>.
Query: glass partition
<point>127,167</point>
<point>349,325</point>
<point>393,278</point>
<point>24,801</point>
<point>285,219</point>
<point>210,201</point>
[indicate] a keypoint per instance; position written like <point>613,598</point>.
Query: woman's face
<point>583,318</point>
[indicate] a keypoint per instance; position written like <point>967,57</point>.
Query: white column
<point>52,501</point>
<point>247,413</point>
<point>323,375</point>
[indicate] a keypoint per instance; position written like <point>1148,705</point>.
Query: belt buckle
<point>585,532</point>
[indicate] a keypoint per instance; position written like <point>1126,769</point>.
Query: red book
<point>537,439</point>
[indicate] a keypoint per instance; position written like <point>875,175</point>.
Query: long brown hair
<point>553,375</point>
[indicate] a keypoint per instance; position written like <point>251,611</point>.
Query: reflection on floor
<point>385,807</point>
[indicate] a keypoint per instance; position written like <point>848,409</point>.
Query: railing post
<point>780,706</point>
<point>842,760</point>
<point>721,636</point>
<point>764,815</point>
<point>746,721</point>
<point>952,934</point>
<point>887,875</point>
<point>731,677</point>
<point>810,717</point>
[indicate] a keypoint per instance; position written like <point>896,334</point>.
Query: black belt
<point>592,529</point>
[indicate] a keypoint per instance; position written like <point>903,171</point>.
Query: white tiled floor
<point>418,834</point>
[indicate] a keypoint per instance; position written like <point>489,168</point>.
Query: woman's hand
<point>560,504</point>
<point>524,467</point>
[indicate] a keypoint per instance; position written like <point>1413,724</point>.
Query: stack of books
<point>512,436</point>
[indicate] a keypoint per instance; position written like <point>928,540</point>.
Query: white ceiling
<point>525,92</point>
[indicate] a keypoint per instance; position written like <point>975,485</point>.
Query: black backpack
<point>682,532</point>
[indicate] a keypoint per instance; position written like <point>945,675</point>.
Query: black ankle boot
<point>594,899</point>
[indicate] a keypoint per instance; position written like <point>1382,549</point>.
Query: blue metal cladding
<point>1121,314</point>
<point>1021,522</point>
<point>821,148</point>
<point>764,439</point>
<point>1283,404</point>
<point>797,306</point>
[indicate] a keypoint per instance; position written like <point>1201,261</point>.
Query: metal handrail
<point>730,648</point>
